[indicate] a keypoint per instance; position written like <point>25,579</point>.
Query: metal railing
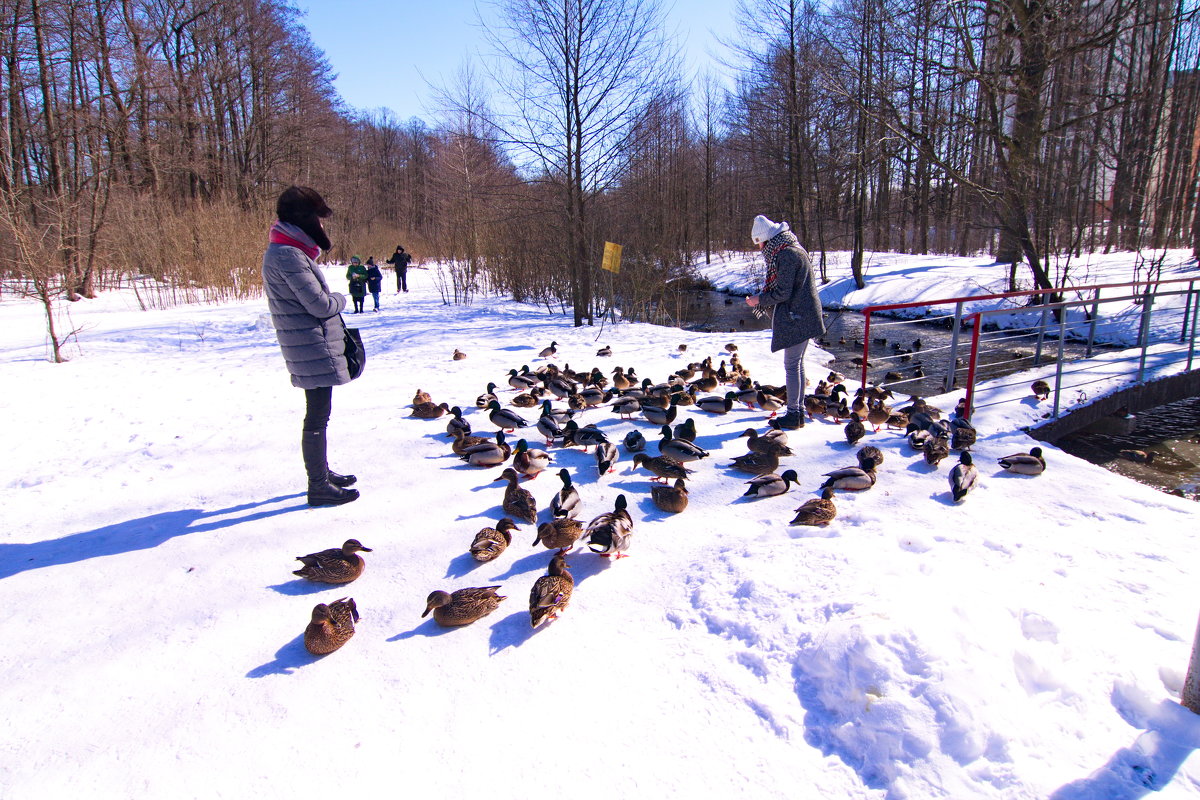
<point>1051,326</point>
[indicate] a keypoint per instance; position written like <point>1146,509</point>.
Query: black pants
<point>401,280</point>
<point>358,302</point>
<point>318,403</point>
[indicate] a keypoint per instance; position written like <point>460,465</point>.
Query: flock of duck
<point>927,430</point>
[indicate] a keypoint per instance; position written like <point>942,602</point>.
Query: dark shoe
<point>324,493</point>
<point>788,422</point>
<point>341,480</point>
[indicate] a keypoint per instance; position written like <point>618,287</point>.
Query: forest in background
<point>146,141</point>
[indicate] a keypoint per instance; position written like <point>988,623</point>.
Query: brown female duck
<point>462,607</point>
<point>331,626</point>
<point>335,565</point>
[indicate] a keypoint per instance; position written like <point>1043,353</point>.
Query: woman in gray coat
<point>792,292</point>
<point>308,324</point>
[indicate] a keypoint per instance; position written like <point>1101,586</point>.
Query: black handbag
<point>356,354</point>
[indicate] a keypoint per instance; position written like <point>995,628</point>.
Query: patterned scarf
<point>771,249</point>
<point>291,235</point>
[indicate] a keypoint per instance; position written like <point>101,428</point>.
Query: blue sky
<point>386,52</point>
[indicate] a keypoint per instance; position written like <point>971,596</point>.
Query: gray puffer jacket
<point>797,314</point>
<point>307,318</point>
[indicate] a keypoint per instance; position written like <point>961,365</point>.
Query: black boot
<point>341,480</point>
<point>322,491</point>
<point>788,422</point>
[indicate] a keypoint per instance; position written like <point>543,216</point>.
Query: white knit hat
<point>764,229</point>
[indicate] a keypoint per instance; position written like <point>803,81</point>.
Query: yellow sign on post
<point>612,258</point>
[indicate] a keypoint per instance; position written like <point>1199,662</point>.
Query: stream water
<point>1171,432</point>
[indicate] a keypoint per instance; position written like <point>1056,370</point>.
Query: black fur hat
<point>304,208</point>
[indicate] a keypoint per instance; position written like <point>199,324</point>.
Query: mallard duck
<point>525,400</point>
<point>716,405</point>
<point>854,430</point>
<point>590,397</point>
<point>635,442</point>
<point>936,448</point>
<point>604,352</point>
<point>816,406</point>
<point>620,380</point>
<point>551,593</point>
<point>457,422</point>
<point>331,626</point>
<point>1041,389</point>
<point>548,352</point>
<point>559,534</point>
<point>872,452</point>
<point>610,533</point>
<point>657,415</point>
<point>680,450</point>
<point>584,437</point>
<point>626,406</point>
<point>964,476</point>
<point>671,499</point>
<point>1030,463</point>
<point>429,410</point>
<point>530,463</point>
<point>489,453</point>
<point>607,456</point>
<point>463,442</point>
<point>420,397</point>
<point>731,348</point>
<point>853,479</point>
<point>770,485</point>
<point>686,430</point>
<point>897,420</point>
<point>1138,456</point>
<point>566,500</point>
<point>877,415</point>
<point>818,511</point>
<point>459,355</point>
<point>462,607</point>
<point>489,543</point>
<point>661,467</point>
<point>756,463</point>
<point>766,443</point>
<point>335,565</point>
<point>487,397</point>
<point>705,383</point>
<point>770,403</point>
<point>916,436</point>
<point>521,383</point>
<point>518,503</point>
<point>962,434</point>
<point>835,377</point>
<point>505,418</point>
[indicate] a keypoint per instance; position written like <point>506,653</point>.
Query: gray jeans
<point>793,371</point>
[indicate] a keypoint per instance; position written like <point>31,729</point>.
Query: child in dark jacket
<point>374,281</point>
<point>356,274</point>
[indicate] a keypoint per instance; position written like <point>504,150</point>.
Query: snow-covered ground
<point>1028,643</point>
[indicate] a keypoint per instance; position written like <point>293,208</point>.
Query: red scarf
<point>279,236</point>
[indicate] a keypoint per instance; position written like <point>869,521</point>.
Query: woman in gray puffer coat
<point>308,324</point>
<point>791,291</point>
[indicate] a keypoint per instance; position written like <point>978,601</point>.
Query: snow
<point>1029,642</point>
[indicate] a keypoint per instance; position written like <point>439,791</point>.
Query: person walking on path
<point>356,274</point>
<point>374,280</point>
<point>791,291</point>
<point>400,260</point>
<point>311,333</point>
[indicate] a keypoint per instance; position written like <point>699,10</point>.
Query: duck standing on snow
<point>462,607</point>
<point>635,442</point>
<point>489,543</point>
<point>680,450</point>
<point>565,502</point>
<point>331,626</point>
<point>686,430</point>
<point>585,437</point>
<point>335,565</point>
<point>818,511</point>
<point>611,533</point>
<point>772,442</point>
<point>964,476</point>
<point>518,503</point>
<point>551,593</point>
<point>716,405</point>
<point>457,423</point>
<point>548,352</point>
<point>487,397</point>
<point>855,429</point>
<point>1040,389</point>
<point>607,455</point>
<point>488,453</point>
<point>559,534</point>
<point>661,467</point>
<point>505,418</point>
<point>871,452</point>
<point>756,463</point>
<point>936,448</point>
<point>530,463</point>
<point>1030,463</point>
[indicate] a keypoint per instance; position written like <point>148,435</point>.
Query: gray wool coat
<point>797,309</point>
<point>307,318</point>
